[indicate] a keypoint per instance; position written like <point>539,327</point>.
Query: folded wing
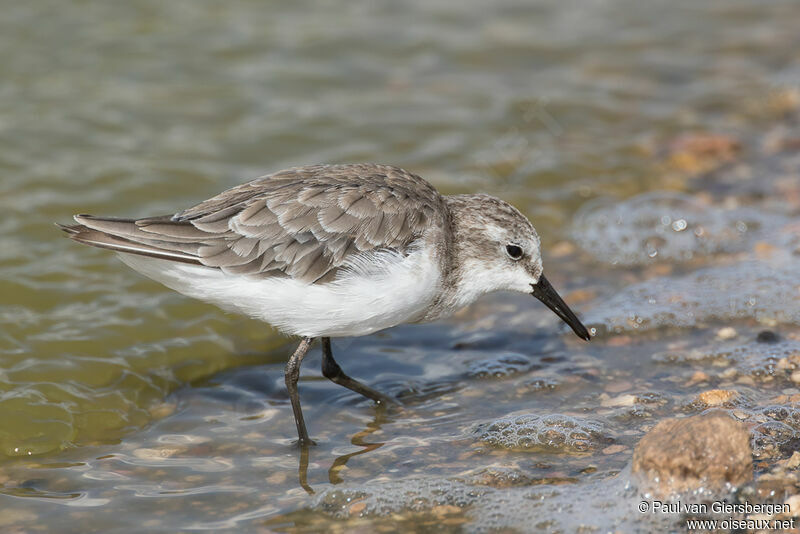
<point>304,222</point>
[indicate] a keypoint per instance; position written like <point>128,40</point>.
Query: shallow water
<point>655,146</point>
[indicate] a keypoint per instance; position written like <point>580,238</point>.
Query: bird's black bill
<point>548,295</point>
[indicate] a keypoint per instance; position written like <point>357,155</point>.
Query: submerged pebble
<point>541,384</point>
<point>544,433</point>
<point>414,494</point>
<point>767,336</point>
<point>772,439</point>
<point>698,152</point>
<point>662,225</point>
<point>509,508</point>
<point>757,360</point>
<point>500,366</point>
<point>756,290</point>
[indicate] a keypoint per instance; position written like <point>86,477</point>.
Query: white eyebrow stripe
<point>495,232</point>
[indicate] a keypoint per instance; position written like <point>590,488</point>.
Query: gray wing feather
<point>303,223</point>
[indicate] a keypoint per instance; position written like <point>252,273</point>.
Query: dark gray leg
<point>332,371</point>
<point>291,375</point>
<point>302,470</point>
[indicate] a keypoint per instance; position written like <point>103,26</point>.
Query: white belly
<point>377,291</point>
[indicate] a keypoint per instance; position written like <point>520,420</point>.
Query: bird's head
<point>498,249</point>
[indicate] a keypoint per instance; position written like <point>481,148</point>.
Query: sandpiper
<point>335,250</point>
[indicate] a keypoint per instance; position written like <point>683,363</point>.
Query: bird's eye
<point>514,251</point>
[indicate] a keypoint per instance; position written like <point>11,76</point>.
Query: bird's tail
<point>129,236</point>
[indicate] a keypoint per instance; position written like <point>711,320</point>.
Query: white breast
<point>377,290</point>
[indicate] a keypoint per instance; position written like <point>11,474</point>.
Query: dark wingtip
<point>68,229</point>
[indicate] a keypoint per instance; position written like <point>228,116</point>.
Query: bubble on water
<point>413,494</point>
<point>653,226</point>
<point>776,430</point>
<point>544,433</point>
<point>770,437</point>
<point>760,361</point>
<point>756,290</point>
<point>500,366</point>
<point>539,384</point>
<point>518,508</point>
<point>679,225</point>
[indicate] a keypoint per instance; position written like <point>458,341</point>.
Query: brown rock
<point>579,296</point>
<point>614,449</point>
<point>701,152</point>
<point>793,462</point>
<point>622,400</point>
<point>727,332</point>
<point>618,386</point>
<point>697,378</point>
<point>443,510</point>
<point>357,507</point>
<point>716,397</point>
<point>561,249</point>
<point>691,149</point>
<point>794,506</point>
<point>619,341</point>
<point>708,450</point>
<point>783,101</point>
<point>764,250</point>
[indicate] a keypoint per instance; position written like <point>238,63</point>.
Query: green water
<point>126,406</point>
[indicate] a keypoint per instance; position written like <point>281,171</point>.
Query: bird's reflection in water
<point>358,440</point>
<point>302,470</point>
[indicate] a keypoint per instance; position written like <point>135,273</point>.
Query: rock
<point>433,504</point>
<point>767,336</point>
<point>783,101</point>
<point>794,505</point>
<point>697,378</point>
<point>793,462</point>
<point>619,341</point>
<point>699,152</point>
<point>579,296</point>
<point>755,290</point>
<point>614,449</point>
<point>740,414</point>
<point>776,432</point>
<point>554,433</point>
<point>356,508</point>
<point>716,397</point>
<point>501,366</point>
<point>443,510</point>
<point>157,453</point>
<point>765,251</point>
<point>727,332</point>
<point>618,386</point>
<point>561,249</point>
<point>710,451</point>
<point>665,228</point>
<point>622,400</point>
